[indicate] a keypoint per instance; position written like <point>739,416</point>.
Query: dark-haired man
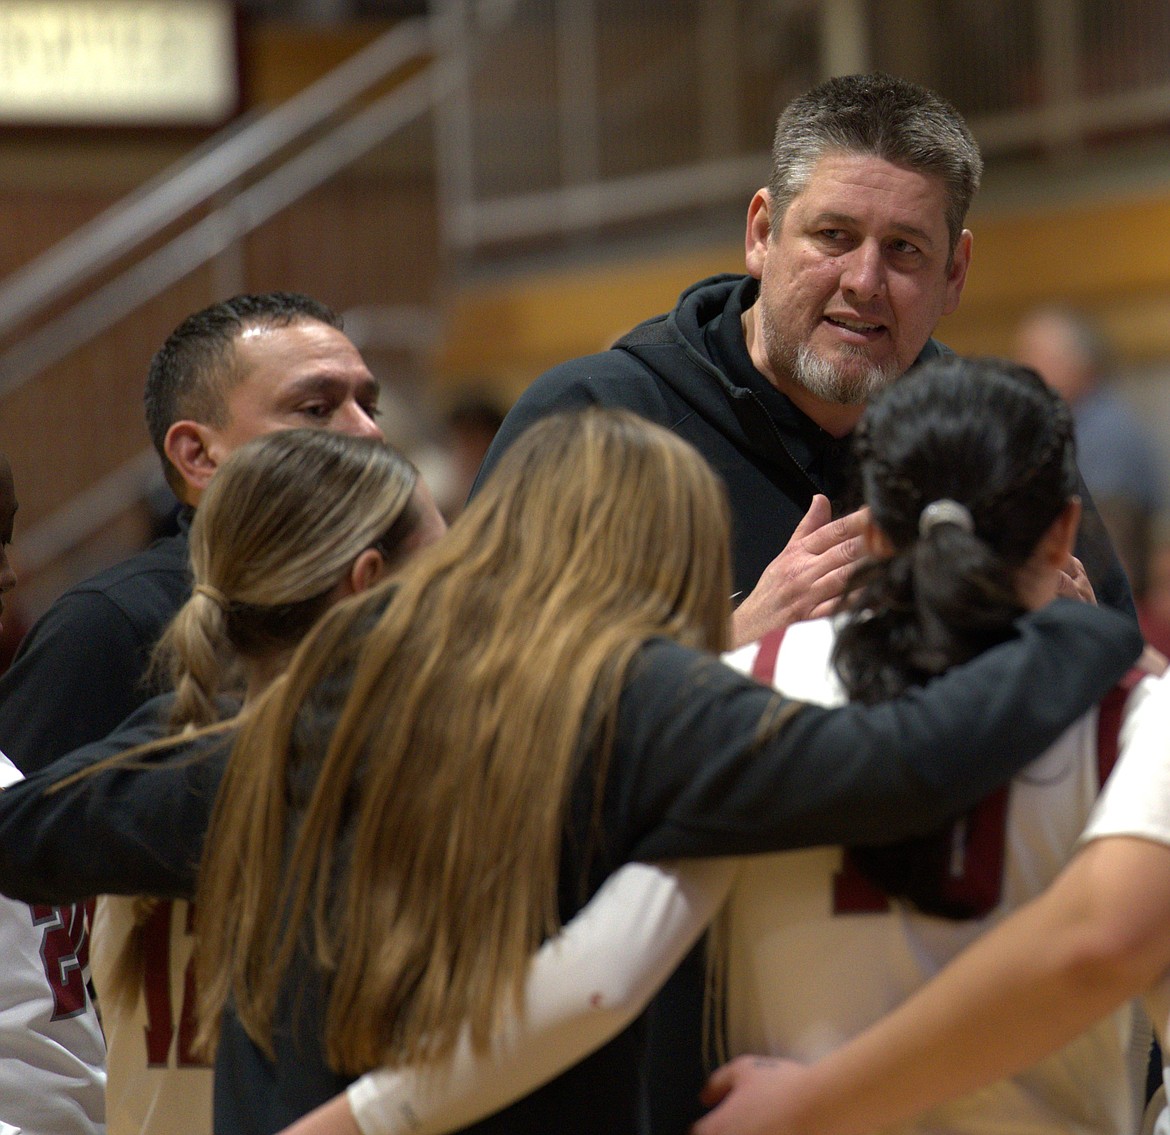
<point>244,367</point>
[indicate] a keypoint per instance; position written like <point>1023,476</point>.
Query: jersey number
<point>160,1017</point>
<point>970,866</point>
<point>64,954</point>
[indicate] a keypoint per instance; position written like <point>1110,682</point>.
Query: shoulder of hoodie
<point>616,376</point>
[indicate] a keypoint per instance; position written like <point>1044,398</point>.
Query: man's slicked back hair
<point>879,116</point>
<point>192,371</point>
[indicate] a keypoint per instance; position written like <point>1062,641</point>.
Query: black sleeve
<point>611,378</point>
<point>76,677</point>
<point>133,829</point>
<point>1095,550</point>
<point>696,782</point>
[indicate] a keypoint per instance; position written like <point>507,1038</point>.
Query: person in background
<point>1117,456</point>
<point>470,427</point>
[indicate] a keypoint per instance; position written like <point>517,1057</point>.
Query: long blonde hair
<point>282,521</point>
<point>419,753</point>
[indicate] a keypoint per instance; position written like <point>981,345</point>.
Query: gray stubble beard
<point>831,383</point>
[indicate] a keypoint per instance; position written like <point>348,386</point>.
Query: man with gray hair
<point>854,251</point>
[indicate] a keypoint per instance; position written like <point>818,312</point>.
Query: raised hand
<point>807,578</point>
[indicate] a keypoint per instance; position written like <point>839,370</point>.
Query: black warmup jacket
<point>688,777</point>
<point>80,669</point>
<point>689,370</point>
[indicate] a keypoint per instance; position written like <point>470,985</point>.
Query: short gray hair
<point>878,115</point>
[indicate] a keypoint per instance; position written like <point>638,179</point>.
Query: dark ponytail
<point>990,437</point>
<point>965,464</point>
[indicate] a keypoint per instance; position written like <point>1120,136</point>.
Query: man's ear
<point>188,448</point>
<point>957,272</point>
<point>759,231</point>
<point>1061,538</point>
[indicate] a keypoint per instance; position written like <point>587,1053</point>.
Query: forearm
<point>701,782</point>
<point>583,988</point>
<point>1094,940</point>
<point>132,829</point>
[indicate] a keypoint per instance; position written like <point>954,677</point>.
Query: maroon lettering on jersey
<point>64,952</point>
<point>853,893</point>
<point>187,1022</point>
<point>156,978</point>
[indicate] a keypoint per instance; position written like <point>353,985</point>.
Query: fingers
<point>718,1084</point>
<point>808,576</point>
<point>820,513</point>
<point>1153,661</point>
<point>846,533</point>
<point>1074,582</point>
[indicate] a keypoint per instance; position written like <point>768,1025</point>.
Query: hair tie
<point>212,593</point>
<point>945,511</point>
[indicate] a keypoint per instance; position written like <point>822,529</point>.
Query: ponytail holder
<point>945,511</point>
<point>212,593</point>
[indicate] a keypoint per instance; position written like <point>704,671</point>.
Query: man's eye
<point>317,410</point>
<point>372,410</point>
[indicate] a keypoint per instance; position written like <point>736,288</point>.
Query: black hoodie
<point>689,370</point>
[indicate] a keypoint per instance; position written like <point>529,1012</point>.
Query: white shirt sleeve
<point>1136,798</point>
<point>583,988</point>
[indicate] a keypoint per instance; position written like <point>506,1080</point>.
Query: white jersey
<point>52,1056</point>
<point>157,1086</point>
<point>816,953</point>
<point>1136,802</point>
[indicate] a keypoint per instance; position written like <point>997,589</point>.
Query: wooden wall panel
<point>1110,256</point>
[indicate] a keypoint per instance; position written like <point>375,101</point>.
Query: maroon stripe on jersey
<point>764,667</point>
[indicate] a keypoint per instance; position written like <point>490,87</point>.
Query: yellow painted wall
<point>1110,256</point>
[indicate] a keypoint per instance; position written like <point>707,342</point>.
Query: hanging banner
<point>118,62</point>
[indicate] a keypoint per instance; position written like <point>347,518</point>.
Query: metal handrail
<point>221,162</point>
<point>222,228</point>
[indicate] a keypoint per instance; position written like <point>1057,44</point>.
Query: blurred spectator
<point>1154,606</point>
<point>469,426</point>
<point>1117,457</point>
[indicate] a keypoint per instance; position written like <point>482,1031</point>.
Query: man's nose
<point>863,272</point>
<point>355,420</point>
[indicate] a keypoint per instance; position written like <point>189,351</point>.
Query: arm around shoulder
<point>126,829</point>
<point>704,784</point>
